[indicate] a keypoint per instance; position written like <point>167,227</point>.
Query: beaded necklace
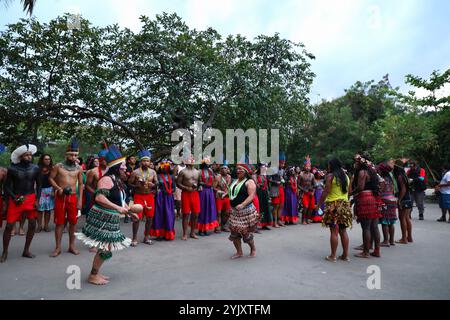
<point>235,188</point>
<point>293,184</point>
<point>145,176</point>
<point>263,180</point>
<point>208,176</point>
<point>168,188</point>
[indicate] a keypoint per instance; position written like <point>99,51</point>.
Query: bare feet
<point>21,232</point>
<point>361,247</point>
<point>375,254</point>
<point>410,240</point>
<point>401,241</point>
<point>74,251</point>
<point>330,258</point>
<point>55,253</point>
<point>4,257</point>
<point>362,255</point>
<point>344,258</point>
<point>97,280</point>
<point>252,254</point>
<point>276,226</point>
<point>103,276</point>
<point>193,236</point>
<point>184,237</point>
<point>148,241</point>
<point>237,256</point>
<point>385,244</point>
<point>28,255</point>
<point>134,243</point>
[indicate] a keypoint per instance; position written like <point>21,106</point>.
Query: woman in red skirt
<point>368,205</point>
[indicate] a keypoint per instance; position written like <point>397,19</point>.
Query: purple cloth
<point>207,219</point>
<point>164,219</point>
<point>290,206</point>
<point>317,196</point>
<point>315,213</point>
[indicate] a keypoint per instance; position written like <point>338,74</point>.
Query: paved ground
<point>290,265</point>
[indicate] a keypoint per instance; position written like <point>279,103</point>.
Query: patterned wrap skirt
<point>244,222</point>
<point>337,213</point>
<point>46,201</point>
<point>368,206</point>
<point>102,230</point>
<point>389,209</point>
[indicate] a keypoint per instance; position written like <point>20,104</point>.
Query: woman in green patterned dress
<point>102,228</point>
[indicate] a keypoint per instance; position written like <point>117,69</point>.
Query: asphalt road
<point>290,265</point>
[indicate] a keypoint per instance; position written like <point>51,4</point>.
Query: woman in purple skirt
<point>164,220</point>
<point>207,219</point>
<point>289,213</point>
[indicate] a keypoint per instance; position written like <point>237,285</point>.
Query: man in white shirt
<point>444,193</point>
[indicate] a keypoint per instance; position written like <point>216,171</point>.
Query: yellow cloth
<point>336,192</point>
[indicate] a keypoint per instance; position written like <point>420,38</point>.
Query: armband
<point>104,192</point>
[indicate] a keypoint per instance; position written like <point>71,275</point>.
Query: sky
<point>352,40</point>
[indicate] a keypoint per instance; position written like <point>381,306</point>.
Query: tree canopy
<point>110,83</point>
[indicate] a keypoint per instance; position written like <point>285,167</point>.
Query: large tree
<point>128,87</point>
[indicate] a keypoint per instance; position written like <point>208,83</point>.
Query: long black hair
<point>399,170</point>
<point>374,181</point>
<point>41,161</point>
<point>337,171</point>
<point>115,171</point>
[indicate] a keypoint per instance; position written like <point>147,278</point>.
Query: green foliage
<point>110,83</point>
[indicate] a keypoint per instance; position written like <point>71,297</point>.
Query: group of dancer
<point>378,194</point>
<point>211,199</point>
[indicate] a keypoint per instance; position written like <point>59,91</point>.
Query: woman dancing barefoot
<point>102,228</point>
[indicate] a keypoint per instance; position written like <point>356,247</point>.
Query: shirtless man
<point>307,189</point>
<point>3,173</point>
<point>143,180</point>
<point>23,189</point>
<point>188,182</point>
<point>221,184</point>
<point>64,178</point>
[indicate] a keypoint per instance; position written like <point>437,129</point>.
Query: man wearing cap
<point>64,177</point>
<point>187,181</point>
<point>143,180</point>
<point>23,189</point>
<point>222,182</point>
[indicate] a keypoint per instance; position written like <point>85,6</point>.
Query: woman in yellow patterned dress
<point>338,212</point>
